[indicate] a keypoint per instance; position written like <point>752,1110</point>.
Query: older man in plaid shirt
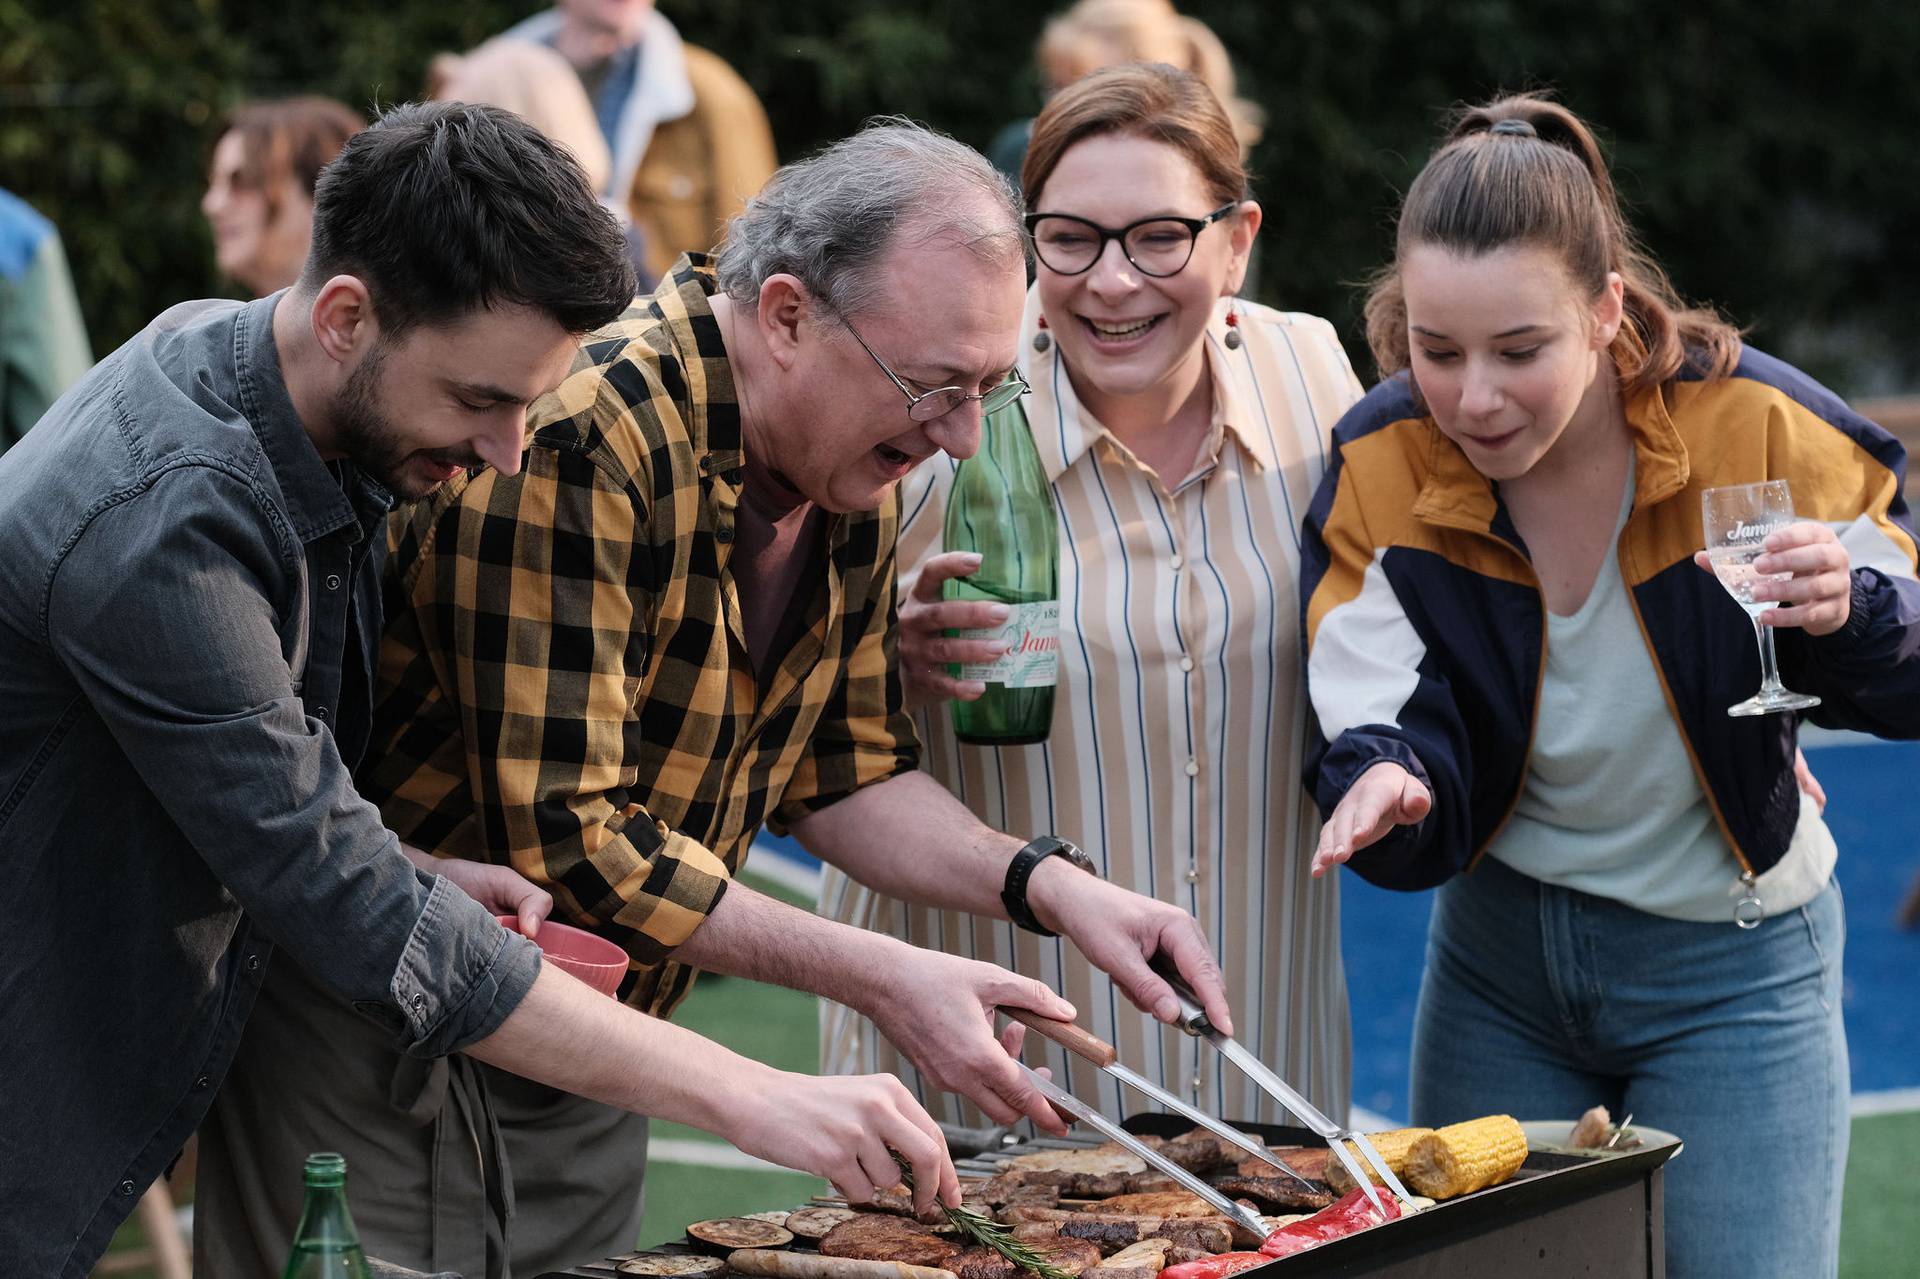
<point>676,625</point>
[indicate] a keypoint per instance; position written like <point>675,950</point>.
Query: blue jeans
<point>1540,1002</point>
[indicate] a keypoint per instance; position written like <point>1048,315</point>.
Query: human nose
<point>210,202</point>
<point>957,434</point>
<point>1480,391</point>
<point>1111,273</point>
<point>502,448</point>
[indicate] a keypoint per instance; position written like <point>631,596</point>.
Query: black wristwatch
<point>1014,895</point>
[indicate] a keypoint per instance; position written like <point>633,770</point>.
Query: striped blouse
<point>1178,731</point>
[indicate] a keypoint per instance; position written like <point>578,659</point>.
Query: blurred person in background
<point>689,140</point>
<point>539,86</point>
<point>43,343</point>
<point>259,200</point>
<point>1103,33</point>
<point>1183,431</point>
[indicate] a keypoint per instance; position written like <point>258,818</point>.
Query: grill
<point>1560,1215</point>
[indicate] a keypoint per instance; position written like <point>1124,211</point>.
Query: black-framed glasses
<point>1160,246</point>
<point>937,403</point>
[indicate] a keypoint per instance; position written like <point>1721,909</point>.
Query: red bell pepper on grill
<point>1352,1213</point>
<point>1218,1266</point>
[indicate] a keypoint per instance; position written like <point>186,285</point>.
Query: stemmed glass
<point>1737,519</point>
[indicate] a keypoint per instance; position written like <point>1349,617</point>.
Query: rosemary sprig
<point>990,1234</point>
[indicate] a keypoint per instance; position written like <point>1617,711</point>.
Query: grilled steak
<point>1274,1194</point>
<point>1011,1188</point>
<point>1201,1151</point>
<point>1146,1182</point>
<point>877,1237</point>
<point>1309,1161</point>
<point>1155,1203</point>
<point>1073,1256</point>
<point>1112,1233</point>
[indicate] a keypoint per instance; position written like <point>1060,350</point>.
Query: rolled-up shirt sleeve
<point>168,611</point>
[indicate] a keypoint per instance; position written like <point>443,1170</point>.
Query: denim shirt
<point>188,614</point>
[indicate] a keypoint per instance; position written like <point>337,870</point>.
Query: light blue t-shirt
<point>1611,804</point>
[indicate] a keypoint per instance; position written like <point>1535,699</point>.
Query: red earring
<point>1233,338</point>
<point>1040,340</point>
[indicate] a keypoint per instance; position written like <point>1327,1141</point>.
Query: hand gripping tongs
<point>1193,1020</point>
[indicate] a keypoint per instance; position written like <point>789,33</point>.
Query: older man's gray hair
<point>831,218</point>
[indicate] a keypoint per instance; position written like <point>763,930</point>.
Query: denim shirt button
<point>203,1083</point>
<point>320,713</point>
<point>333,581</point>
<point>253,963</point>
<point>127,1187</point>
<point>419,1003</point>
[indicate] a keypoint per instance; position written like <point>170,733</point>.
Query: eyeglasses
<point>1159,247</point>
<point>937,403</point>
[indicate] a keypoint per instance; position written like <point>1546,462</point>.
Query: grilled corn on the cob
<point>1393,1147</point>
<point>1465,1157</point>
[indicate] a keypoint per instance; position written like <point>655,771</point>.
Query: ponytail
<point>1525,170</point>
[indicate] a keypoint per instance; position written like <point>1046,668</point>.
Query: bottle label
<point>1032,635</point>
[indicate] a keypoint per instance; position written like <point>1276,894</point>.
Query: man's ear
<point>343,319</point>
<point>786,309</point>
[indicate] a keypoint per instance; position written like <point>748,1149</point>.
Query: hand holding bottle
<point>925,618</point>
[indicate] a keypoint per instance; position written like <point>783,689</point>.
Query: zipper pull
<point>1748,911</point>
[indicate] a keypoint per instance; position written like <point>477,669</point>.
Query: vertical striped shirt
<point>1178,731</point>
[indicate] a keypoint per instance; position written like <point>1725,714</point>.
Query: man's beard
<point>369,439</point>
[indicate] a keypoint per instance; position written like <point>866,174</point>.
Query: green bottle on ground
<point>1001,508</point>
<point>326,1246</point>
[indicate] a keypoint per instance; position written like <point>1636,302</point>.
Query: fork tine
<point>1360,1178</point>
<point>1380,1165</point>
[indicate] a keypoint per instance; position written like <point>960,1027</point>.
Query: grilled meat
<point>871,1236</point>
<point>1277,1193</point>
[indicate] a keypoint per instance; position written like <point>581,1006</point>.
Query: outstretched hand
<point>1386,796</point>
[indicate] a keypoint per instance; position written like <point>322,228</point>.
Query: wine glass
<point>1737,520</point>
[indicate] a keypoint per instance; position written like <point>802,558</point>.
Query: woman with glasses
<point>1182,430</point>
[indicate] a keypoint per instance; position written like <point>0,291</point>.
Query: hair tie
<point>1514,128</point>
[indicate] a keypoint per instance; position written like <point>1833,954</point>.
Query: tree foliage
<point>1759,146</point>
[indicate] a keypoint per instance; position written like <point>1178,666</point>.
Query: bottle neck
<point>324,1218</point>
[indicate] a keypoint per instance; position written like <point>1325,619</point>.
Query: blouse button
<point>1175,563</point>
<point>1186,663</point>
<point>1193,768</point>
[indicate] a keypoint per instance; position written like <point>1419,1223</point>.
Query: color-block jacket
<point>1426,625</point>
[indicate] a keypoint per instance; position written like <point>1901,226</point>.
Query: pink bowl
<point>594,960</point>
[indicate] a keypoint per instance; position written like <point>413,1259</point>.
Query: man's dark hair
<point>444,208</point>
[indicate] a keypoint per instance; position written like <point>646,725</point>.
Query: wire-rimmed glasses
<point>926,406</point>
<point>1157,246</point>
<point>1737,519</point>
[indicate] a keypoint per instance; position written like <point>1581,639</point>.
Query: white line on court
<point>1891,1102</point>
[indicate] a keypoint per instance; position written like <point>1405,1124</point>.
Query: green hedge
<point>1760,145</point>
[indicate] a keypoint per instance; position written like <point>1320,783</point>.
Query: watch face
<point>1075,854</point>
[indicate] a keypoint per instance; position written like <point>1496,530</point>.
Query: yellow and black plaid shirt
<point>564,686</point>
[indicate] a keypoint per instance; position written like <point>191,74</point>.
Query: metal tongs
<point>1193,1020</point>
<point>1085,1044</point>
<point>1073,1107</point>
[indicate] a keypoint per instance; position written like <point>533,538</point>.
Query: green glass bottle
<point>326,1246</point>
<point>1001,508</point>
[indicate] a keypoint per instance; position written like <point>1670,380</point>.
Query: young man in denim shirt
<point>188,617</point>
